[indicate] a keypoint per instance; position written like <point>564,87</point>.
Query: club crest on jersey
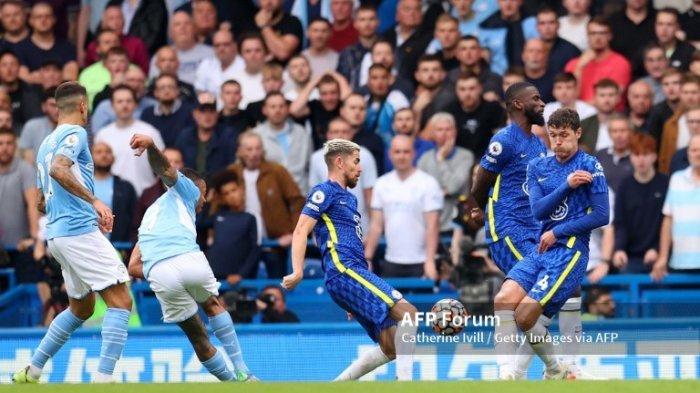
<point>72,140</point>
<point>599,166</point>
<point>560,212</point>
<point>318,197</point>
<point>495,148</point>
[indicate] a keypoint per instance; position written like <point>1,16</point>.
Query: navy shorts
<point>366,296</point>
<point>508,251</point>
<point>553,277</point>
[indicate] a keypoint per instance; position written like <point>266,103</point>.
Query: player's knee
<point>502,300</point>
<point>524,320</point>
<point>83,313</point>
<point>213,306</point>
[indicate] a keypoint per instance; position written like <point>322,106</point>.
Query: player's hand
<point>105,219</point>
<point>620,259</point>
<point>140,143</point>
<point>290,281</point>
<point>651,256</point>
<point>660,270</point>
<point>429,270</point>
<point>579,178</point>
<point>547,240</point>
<point>477,217</point>
<point>598,272</point>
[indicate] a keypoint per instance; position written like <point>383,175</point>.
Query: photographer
<point>273,306</point>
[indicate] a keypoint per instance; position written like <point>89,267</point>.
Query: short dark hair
<point>274,286</point>
<point>251,36</point>
<point>470,37</point>
<point>230,82</point>
<point>319,19</point>
<point>191,174</point>
<point>274,94</point>
<point>7,131</point>
<point>606,83</point>
<point>429,59</point>
<point>514,90</point>
<point>515,70</point>
<point>564,118</point>
<point>650,47</point>
<point>120,88</point>
<point>382,41</point>
<point>220,179</point>
<point>565,77</point>
<point>9,52</point>
<point>327,80</point>
<point>378,66</point>
<point>593,294</point>
<point>546,10</point>
<point>465,76</point>
<point>48,94</point>
<point>103,31</point>
<point>66,93</point>
<point>164,75</point>
<point>366,7</point>
<point>669,10</point>
<point>690,78</point>
<point>116,51</point>
<point>600,20</point>
<point>51,63</point>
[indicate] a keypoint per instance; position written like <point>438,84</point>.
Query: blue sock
<point>113,338</point>
<point>222,325</point>
<point>217,367</point>
<point>60,330</point>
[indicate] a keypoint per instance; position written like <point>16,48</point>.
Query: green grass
<point>379,387</point>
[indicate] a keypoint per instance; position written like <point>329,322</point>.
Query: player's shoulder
<point>321,192</point>
<point>589,162</point>
<point>538,162</point>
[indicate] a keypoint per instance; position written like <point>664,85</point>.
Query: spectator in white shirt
<point>321,58</point>
<point>253,52</point>
<point>189,51</point>
<point>225,65</point>
<point>565,93</point>
<point>117,135</point>
<point>406,204</point>
<point>572,26</point>
<point>338,128</point>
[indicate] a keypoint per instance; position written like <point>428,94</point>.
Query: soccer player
<point>569,196</point>
<point>168,256</point>
<point>500,188</point>
<point>76,220</point>
<point>331,212</point>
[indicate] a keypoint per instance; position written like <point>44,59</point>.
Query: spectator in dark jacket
<point>116,193</point>
<point>26,99</point>
<point>170,114</point>
<point>233,251</point>
<point>207,147</point>
<point>149,22</point>
<point>638,214</point>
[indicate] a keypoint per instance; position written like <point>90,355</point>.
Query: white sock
<point>404,350</point>
<point>34,371</point>
<point>103,378</point>
<point>368,361</point>
<point>526,353</point>
<point>538,338</point>
<point>570,327</point>
<point>508,330</point>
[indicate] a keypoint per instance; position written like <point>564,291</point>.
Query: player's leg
<point>570,327</point>
<point>222,326</point>
<point>404,313</point>
<point>81,307</point>
<point>114,328</point>
<point>211,359</point>
<point>527,315</point>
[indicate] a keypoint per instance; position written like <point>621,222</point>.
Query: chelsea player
<point>168,256</point>
<point>569,196</point>
<point>331,212</point>
<point>500,188</point>
<point>76,220</point>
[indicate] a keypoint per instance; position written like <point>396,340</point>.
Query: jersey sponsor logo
<point>356,218</point>
<point>523,155</point>
<point>318,197</point>
<point>495,148</point>
<point>560,212</point>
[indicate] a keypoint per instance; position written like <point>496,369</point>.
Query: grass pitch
<point>688,386</point>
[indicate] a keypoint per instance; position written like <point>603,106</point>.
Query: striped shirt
<point>683,205</point>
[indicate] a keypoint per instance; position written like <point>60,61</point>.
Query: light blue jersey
<point>68,214</point>
<point>168,229</point>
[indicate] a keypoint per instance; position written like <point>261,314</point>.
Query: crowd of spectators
<point>246,92</point>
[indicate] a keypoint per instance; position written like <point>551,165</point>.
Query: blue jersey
<point>168,229</point>
<point>68,215</point>
<point>548,174</point>
<point>338,231</point>
<point>508,211</point>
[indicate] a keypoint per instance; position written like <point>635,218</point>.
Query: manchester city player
<point>500,188</point>
<point>331,212</point>
<point>76,218</point>
<point>569,196</point>
<point>168,256</point>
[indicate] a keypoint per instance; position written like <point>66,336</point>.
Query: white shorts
<point>89,263</point>
<point>180,283</point>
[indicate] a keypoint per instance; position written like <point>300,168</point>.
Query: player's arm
<point>156,159</point>
<point>135,263</point>
<point>544,205</point>
<point>660,268</point>
<point>41,201</point>
<point>299,239</point>
<point>376,225</point>
<point>61,172</point>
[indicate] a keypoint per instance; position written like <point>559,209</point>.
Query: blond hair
<point>336,147</point>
